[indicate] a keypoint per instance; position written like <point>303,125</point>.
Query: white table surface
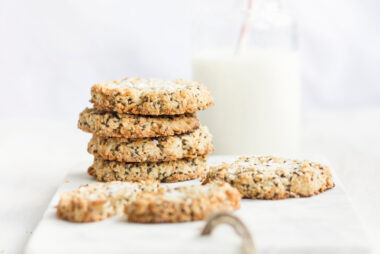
<point>36,154</point>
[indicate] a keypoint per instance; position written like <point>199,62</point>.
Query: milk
<point>257,99</point>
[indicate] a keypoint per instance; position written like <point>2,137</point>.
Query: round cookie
<point>186,203</point>
<point>151,96</point>
<point>112,124</point>
<point>269,177</point>
<point>95,202</point>
<point>168,148</point>
<point>165,171</point>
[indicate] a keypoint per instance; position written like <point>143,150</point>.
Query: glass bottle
<point>249,60</point>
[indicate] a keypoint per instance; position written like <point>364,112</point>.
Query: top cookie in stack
<point>151,96</point>
<point>147,129</point>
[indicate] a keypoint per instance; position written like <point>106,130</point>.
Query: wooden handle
<point>214,220</point>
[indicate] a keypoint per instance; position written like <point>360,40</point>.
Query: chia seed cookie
<point>164,171</point>
<point>112,124</point>
<point>95,202</point>
<point>269,177</point>
<point>186,203</point>
<point>169,148</point>
<point>151,96</point>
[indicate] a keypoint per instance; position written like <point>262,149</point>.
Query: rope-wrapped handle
<point>214,220</point>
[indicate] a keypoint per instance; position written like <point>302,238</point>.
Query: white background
<point>51,52</point>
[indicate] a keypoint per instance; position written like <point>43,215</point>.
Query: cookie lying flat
<point>268,177</point>
<point>165,171</point>
<point>186,203</point>
<point>151,96</point>
<point>94,202</point>
<point>112,124</point>
<point>189,145</point>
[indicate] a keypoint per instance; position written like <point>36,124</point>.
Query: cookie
<point>111,124</point>
<point>186,203</point>
<point>94,202</point>
<point>151,96</point>
<point>165,171</point>
<point>269,177</point>
<point>169,148</point>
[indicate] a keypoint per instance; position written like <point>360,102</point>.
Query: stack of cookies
<point>147,129</point>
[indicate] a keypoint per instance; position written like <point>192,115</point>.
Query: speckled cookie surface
<point>186,203</point>
<point>112,124</point>
<point>165,171</point>
<point>151,96</point>
<point>190,145</point>
<point>269,177</point>
<point>94,202</point>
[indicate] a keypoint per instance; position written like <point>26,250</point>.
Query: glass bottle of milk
<point>249,61</point>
